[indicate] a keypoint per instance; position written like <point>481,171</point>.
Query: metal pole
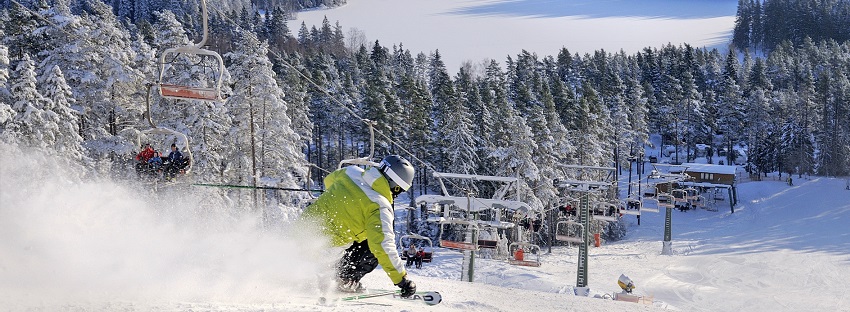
<point>667,245</point>
<point>584,219</point>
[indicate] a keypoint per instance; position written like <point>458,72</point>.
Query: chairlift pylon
<point>178,91</point>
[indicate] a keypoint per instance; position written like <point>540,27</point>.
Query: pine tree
<point>443,96</point>
<point>31,124</point>
<point>729,107</point>
<point>262,134</point>
<point>459,141</point>
<point>57,91</point>
<point>743,26</point>
<point>7,114</point>
<point>97,61</point>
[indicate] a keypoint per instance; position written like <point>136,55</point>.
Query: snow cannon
<point>626,283</point>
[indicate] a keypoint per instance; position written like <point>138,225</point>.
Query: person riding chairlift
<point>419,256</point>
<point>156,161</point>
<point>175,162</point>
<point>411,255</point>
<point>142,157</point>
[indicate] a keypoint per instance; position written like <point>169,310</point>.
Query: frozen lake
<point>476,30</point>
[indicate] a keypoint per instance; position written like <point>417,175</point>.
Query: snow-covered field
<point>72,244</point>
<point>476,30</point>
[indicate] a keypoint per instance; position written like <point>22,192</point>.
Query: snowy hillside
<point>476,30</point>
<point>106,246</point>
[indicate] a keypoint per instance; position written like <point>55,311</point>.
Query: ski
<point>426,297</point>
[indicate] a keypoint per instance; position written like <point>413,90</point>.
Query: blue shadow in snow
<point>682,9</point>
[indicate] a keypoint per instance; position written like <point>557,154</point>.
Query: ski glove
<point>408,287</point>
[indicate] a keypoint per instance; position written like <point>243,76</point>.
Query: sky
<point>478,30</point>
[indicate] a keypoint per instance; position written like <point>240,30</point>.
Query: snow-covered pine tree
<point>262,136</point>
<point>512,140</point>
<point>457,133</point>
<point>380,104</point>
<point>594,136</point>
<point>636,101</point>
<point>833,139</point>
<point>55,89</point>
<point>21,32</point>
<point>96,59</point>
<point>6,111</point>
<point>32,125</point>
<point>729,106</point>
<point>416,104</point>
<point>442,96</point>
<point>294,89</point>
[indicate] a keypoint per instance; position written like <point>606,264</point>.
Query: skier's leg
<point>356,262</point>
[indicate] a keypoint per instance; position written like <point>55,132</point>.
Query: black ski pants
<point>356,262</point>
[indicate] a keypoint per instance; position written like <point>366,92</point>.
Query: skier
<point>356,209</point>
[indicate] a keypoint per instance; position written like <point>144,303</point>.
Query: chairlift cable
<point>332,98</point>
<point>257,187</point>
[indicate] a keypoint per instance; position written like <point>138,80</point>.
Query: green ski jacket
<point>357,206</point>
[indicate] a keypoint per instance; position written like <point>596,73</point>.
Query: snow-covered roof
<point>474,177</point>
<point>710,168</point>
<point>477,204</point>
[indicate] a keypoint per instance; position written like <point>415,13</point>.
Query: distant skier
<point>356,209</point>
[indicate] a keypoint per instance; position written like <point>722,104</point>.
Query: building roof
<point>709,168</point>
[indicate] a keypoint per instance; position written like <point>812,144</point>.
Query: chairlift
<point>665,200</point>
<point>718,195</point>
<point>569,231</point>
<point>410,238</point>
<point>631,206</point>
<point>680,199</point>
<point>698,202</point>
<point>649,205</point>
<point>605,211</point>
<point>178,91</point>
<point>468,230</point>
<point>364,161</point>
<point>520,258</point>
<point>160,131</point>
<point>691,193</point>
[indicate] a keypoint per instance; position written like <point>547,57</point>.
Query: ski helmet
<point>399,173</point>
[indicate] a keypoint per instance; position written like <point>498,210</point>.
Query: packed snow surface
<point>100,245</point>
<point>479,30</point>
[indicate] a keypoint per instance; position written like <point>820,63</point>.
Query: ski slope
<point>99,245</point>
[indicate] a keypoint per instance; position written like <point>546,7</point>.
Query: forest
<point>74,76</point>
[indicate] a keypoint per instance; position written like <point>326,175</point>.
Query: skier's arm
<point>379,233</point>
